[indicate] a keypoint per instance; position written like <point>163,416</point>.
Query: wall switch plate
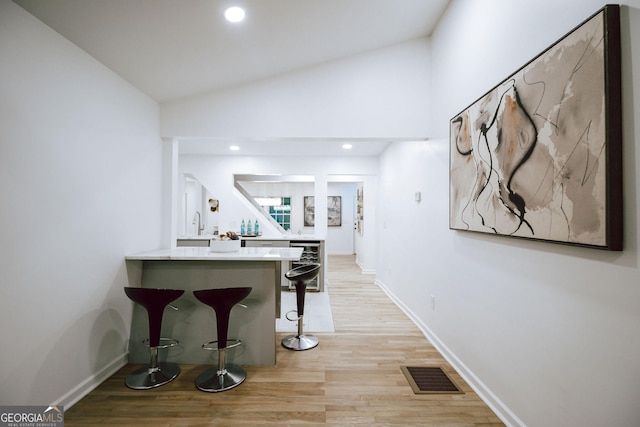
<point>433,302</point>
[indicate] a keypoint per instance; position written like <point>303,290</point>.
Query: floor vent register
<point>429,379</point>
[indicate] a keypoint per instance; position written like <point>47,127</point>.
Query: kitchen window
<point>279,208</point>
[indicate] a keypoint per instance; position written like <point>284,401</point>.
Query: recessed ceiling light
<point>347,146</point>
<point>234,148</point>
<point>234,14</point>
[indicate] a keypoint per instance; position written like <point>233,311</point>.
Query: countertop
<point>288,237</point>
<point>204,254</point>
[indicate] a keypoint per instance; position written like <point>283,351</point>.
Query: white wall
<point>295,191</point>
<point>340,239</point>
<point>384,93</point>
<point>80,166</point>
<point>380,94</point>
<point>547,333</point>
<point>366,242</point>
<point>216,174</point>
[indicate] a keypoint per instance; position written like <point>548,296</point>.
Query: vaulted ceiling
<point>171,49</point>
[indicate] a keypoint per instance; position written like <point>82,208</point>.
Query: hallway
<point>352,378</point>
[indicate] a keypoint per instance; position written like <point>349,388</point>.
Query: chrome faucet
<point>200,226</point>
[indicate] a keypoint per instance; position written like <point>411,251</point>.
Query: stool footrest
<point>164,342</point>
<point>292,319</point>
<point>212,345</point>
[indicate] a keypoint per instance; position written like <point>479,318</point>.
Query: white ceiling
<point>290,147</point>
<point>171,49</point>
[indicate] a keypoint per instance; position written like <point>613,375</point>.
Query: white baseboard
<point>363,270</point>
<point>496,405</point>
<point>85,387</point>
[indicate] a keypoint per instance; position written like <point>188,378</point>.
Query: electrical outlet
<point>433,302</point>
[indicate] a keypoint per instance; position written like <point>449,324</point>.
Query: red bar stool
<point>225,376</point>
<point>156,374</point>
<point>301,276</point>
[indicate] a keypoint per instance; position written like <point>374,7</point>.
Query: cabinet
<point>259,243</point>
<point>203,243</point>
<point>265,243</point>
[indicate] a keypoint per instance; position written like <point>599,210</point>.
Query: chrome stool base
<point>214,381</point>
<point>147,378</point>
<point>301,276</point>
<point>299,342</point>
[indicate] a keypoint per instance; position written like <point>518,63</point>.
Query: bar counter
<point>193,324</point>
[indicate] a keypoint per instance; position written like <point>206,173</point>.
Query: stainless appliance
<point>311,253</point>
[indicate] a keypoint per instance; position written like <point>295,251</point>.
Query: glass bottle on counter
<point>249,227</point>
<point>242,227</point>
<point>256,228</point>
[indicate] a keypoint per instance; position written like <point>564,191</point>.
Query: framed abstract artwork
<point>539,156</point>
<point>334,211</point>
<point>309,211</point>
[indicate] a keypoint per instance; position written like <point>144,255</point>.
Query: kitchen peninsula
<point>313,246</point>
<point>193,324</point>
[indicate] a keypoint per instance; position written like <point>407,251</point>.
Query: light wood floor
<point>352,378</point>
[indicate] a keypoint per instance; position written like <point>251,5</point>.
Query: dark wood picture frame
<point>539,156</point>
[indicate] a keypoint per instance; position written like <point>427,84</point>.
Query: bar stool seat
<point>156,374</point>
<point>226,376</point>
<point>301,276</point>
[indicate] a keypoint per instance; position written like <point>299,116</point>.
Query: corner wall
<point>81,173</point>
<point>546,333</point>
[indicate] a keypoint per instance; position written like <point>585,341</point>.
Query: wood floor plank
<point>353,378</point>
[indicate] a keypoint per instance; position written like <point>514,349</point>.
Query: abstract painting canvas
<point>540,155</point>
<point>334,211</point>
